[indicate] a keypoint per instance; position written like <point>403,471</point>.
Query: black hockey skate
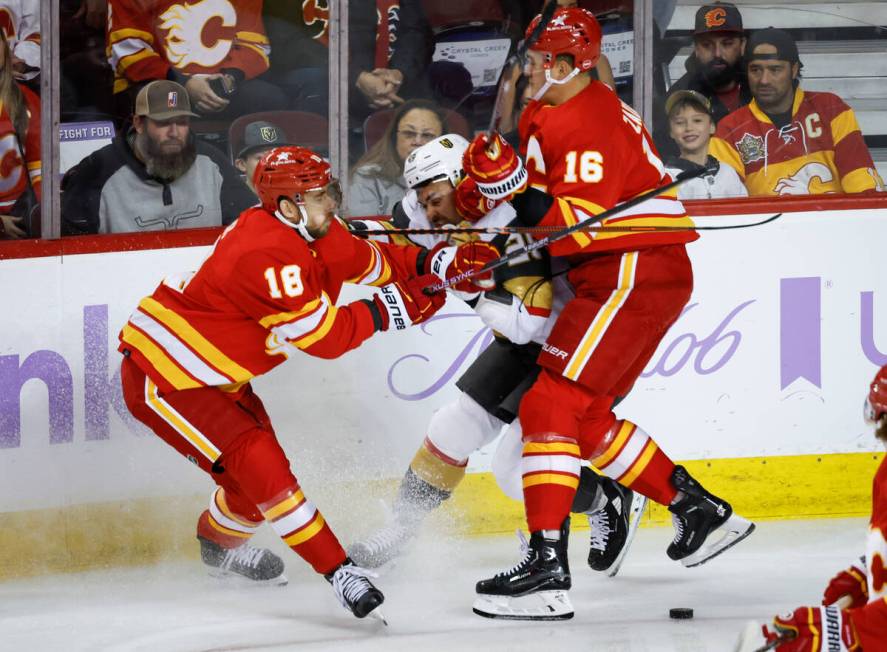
<point>534,589</point>
<point>699,515</point>
<point>613,526</point>
<point>258,565</point>
<point>355,591</point>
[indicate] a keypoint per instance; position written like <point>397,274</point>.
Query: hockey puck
<point>680,613</point>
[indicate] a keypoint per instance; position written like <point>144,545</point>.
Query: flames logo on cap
<point>715,17</point>
<point>172,99</point>
<point>268,134</point>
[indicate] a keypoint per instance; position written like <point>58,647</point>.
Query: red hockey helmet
<point>572,31</point>
<point>289,172</point>
<point>876,401</point>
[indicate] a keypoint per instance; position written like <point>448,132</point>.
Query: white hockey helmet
<point>438,159</point>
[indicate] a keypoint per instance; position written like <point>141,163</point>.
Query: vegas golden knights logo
<point>269,134</point>
<point>446,142</point>
<point>715,18</point>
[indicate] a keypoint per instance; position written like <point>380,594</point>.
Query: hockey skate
<point>355,591</point>
<point>534,589</point>
<point>613,526</point>
<point>258,565</point>
<point>699,515</point>
<point>383,546</point>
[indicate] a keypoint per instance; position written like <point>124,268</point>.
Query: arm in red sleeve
<point>131,42</point>
<point>251,49</point>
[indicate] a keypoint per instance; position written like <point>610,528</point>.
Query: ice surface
<point>177,608</point>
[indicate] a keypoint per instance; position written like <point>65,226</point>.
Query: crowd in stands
<point>416,69</point>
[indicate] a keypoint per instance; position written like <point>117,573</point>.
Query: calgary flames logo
<point>801,182</point>
<point>317,11</point>
<point>715,18</point>
<point>186,42</point>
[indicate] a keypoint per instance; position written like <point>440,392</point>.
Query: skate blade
<point>734,529</point>
<point>376,614</point>
<point>541,605</point>
<point>237,580</point>
<point>636,511</point>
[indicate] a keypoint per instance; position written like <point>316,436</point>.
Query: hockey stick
<point>564,232</point>
<point>532,230</point>
<point>518,59</point>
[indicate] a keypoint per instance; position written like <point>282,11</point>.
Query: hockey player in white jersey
<point>518,311</point>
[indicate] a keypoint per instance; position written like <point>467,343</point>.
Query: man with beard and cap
<point>154,177</point>
<point>789,141</point>
<point>715,67</point>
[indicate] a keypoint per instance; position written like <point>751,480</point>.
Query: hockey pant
<point>230,437</point>
<point>598,347</point>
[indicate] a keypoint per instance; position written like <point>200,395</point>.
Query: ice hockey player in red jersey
<point>518,311</point>
<point>267,290</point>
<point>853,617</point>
<point>585,152</point>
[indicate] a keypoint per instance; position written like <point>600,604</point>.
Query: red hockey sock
<point>224,525</point>
<point>550,470</point>
<point>302,527</point>
<point>631,457</point>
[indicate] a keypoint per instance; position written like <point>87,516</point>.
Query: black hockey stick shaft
<point>534,230</point>
<point>563,233</point>
<point>518,59</point>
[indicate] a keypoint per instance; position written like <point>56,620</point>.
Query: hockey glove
<point>813,629</point>
<point>495,166</point>
<point>447,262</point>
<point>470,203</point>
<point>851,583</point>
<point>404,303</point>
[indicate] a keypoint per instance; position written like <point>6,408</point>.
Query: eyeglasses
<point>423,136</point>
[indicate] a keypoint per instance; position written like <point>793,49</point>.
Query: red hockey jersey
<point>20,161</point>
<point>263,293</point>
<point>145,39</point>
<point>870,621</point>
<point>820,151</point>
<point>591,153</point>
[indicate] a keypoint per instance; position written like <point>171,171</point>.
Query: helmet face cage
<point>572,31</point>
<point>289,172</point>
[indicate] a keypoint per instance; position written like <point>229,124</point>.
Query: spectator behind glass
<point>19,152</point>
<point>154,177</point>
<point>788,141</point>
<point>715,67</point>
<point>216,50</point>
<point>377,181</point>
<point>691,127</point>
<point>258,139</point>
<point>21,26</point>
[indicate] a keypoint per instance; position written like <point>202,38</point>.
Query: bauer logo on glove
<point>448,262</point>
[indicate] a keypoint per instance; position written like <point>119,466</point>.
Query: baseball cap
<point>163,99</point>
<point>718,17</point>
<point>786,48</point>
<point>261,134</point>
<point>694,97</point>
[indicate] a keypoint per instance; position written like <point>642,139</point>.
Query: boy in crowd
<point>691,126</point>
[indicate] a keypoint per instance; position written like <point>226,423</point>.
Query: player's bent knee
<point>461,427</point>
<point>257,463</point>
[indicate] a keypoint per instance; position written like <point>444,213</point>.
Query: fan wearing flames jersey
<point>267,290</point>
<point>853,615</point>
<point>20,165</point>
<point>215,48</point>
<point>788,141</point>
<point>630,287</point>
